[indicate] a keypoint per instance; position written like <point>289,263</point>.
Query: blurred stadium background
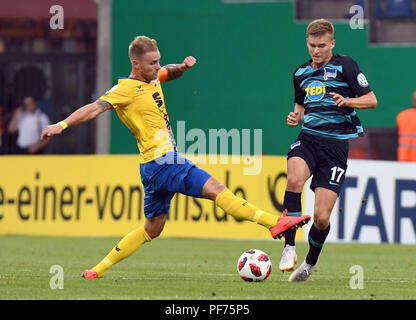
<point>87,181</point>
<point>241,40</point>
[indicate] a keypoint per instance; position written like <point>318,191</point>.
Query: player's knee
<point>212,188</point>
<point>321,222</point>
<point>154,231</point>
<point>154,226</point>
<point>294,183</point>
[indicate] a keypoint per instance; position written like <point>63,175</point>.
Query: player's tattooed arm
<point>104,105</point>
<point>88,112</point>
<point>175,71</point>
<point>83,114</point>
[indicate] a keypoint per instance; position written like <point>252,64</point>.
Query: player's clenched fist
<point>51,130</point>
<point>188,63</point>
<point>293,119</point>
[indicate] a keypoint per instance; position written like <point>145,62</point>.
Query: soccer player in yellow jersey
<point>139,103</point>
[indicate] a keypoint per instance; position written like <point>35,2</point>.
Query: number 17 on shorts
<point>336,176</point>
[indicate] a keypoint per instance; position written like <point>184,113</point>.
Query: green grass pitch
<point>198,269</point>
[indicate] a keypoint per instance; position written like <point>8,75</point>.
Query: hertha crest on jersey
<point>330,73</point>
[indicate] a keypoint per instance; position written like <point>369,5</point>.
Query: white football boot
<point>289,258</point>
<point>302,273</point>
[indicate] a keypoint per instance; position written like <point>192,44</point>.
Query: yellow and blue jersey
<point>322,116</point>
<point>141,107</point>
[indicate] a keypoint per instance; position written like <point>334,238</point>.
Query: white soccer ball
<point>254,265</point>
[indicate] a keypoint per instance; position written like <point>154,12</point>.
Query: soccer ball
<point>254,265</point>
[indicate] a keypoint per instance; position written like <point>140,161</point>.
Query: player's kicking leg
<point>324,203</point>
<point>243,210</point>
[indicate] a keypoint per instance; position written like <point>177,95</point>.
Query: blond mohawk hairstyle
<point>140,46</point>
<point>320,27</point>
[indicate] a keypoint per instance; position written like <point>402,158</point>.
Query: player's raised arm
<point>296,117</point>
<point>83,114</point>
<point>174,71</point>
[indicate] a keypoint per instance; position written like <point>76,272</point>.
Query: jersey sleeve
<point>355,78</point>
<point>299,94</point>
<point>162,75</point>
<point>116,97</point>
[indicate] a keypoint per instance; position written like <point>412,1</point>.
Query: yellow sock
<point>130,243</point>
<point>243,210</point>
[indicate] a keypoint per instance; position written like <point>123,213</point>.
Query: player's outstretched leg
<point>129,244</point>
<point>287,222</point>
<point>243,210</point>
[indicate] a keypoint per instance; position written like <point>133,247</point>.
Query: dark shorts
<point>326,158</point>
<point>167,175</point>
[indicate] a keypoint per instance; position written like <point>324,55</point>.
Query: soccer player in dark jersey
<point>328,89</point>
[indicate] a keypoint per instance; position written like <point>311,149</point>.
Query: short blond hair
<point>320,27</point>
<point>141,45</point>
